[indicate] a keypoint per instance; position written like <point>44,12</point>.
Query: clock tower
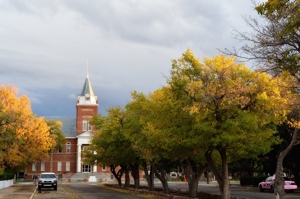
<point>86,108</point>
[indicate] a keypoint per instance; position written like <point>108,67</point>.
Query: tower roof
<point>87,87</point>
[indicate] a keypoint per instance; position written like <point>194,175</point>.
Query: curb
<point>33,193</point>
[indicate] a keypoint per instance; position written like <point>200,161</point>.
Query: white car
<point>47,180</point>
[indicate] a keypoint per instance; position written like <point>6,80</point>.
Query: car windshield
<point>47,176</point>
<point>269,179</point>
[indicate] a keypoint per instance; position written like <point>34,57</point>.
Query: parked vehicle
<point>173,175</point>
<point>268,184</point>
<point>47,180</point>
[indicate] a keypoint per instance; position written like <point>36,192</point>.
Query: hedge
<point>252,180</point>
<point>7,175</point>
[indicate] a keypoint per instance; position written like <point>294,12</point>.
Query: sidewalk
<point>18,191</point>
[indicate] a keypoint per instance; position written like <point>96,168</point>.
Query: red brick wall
<point>100,169</point>
<point>84,112</point>
<point>62,157</point>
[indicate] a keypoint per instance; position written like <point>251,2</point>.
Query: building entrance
<point>86,168</point>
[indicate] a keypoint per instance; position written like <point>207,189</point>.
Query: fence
<point>6,183</point>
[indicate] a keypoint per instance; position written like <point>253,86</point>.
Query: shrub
<point>7,175</point>
<point>252,180</point>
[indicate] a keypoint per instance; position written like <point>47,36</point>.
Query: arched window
<point>84,125</point>
<point>68,148</point>
<point>90,127</point>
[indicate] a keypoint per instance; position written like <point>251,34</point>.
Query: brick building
<point>67,163</point>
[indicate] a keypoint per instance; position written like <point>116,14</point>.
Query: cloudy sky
<point>129,44</point>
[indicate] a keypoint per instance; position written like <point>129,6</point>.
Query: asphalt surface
<point>64,191</point>
<point>94,190</point>
<point>27,190</point>
<point>18,191</point>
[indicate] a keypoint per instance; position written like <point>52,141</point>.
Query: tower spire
<point>87,87</point>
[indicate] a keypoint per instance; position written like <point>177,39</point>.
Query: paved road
<point>236,191</point>
<point>90,191</point>
<point>82,191</point>
<point>18,191</point>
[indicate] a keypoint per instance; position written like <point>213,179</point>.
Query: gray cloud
<point>129,44</point>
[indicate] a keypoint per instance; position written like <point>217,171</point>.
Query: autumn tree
<point>236,109</point>
<point>273,46</point>
<point>24,137</point>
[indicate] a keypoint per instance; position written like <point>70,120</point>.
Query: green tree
<point>286,12</point>
<point>168,133</point>
<point>110,146</point>
<point>137,112</point>
<point>273,46</point>
<point>58,138</point>
<point>291,162</point>
<point>236,109</point>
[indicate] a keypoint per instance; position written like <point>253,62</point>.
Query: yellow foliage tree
<point>24,138</point>
<point>236,109</point>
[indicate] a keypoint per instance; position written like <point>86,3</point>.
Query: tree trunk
<point>162,177</point>
<point>193,173</point>
<point>127,178</point>
<point>193,187</point>
<point>206,173</point>
<point>164,183</point>
<point>135,173</point>
<point>149,178</point>
<point>118,175</point>
<point>279,192</point>
<point>222,177</point>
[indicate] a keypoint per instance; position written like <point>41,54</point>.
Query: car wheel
<point>39,188</point>
<point>55,188</point>
<point>261,189</point>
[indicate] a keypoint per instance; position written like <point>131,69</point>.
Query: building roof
<point>69,124</point>
<point>87,87</point>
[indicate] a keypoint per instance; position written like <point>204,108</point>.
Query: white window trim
<point>43,166</point>
<point>90,127</point>
<point>34,167</point>
<point>68,148</point>
<point>59,166</point>
<point>68,166</point>
<point>84,125</point>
